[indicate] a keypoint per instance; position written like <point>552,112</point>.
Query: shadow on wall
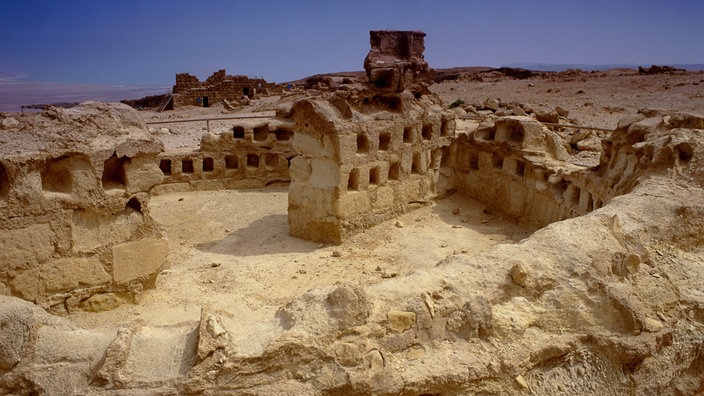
<point>267,235</point>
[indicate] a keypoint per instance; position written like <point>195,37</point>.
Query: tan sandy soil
<point>231,250</point>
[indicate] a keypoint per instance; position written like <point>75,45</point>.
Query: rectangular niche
<point>283,135</point>
<point>497,160</point>
<point>261,133</point>
<point>408,135</point>
<point>473,160</point>
<point>230,162</point>
<point>187,166</point>
<point>208,164</point>
<point>252,161</point>
<point>427,131</point>
<point>4,182</point>
<point>362,144</point>
<point>353,180</point>
<point>56,175</point>
<point>394,171</point>
<point>374,176</point>
<point>270,161</point>
<point>384,141</point>
<point>415,165</point>
<point>445,128</point>
<point>165,166</point>
<point>238,132</point>
<point>114,172</point>
<point>520,168</point>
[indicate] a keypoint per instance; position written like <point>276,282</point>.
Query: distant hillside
<point>558,67</point>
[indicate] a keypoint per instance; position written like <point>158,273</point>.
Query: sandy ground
<point>231,250</point>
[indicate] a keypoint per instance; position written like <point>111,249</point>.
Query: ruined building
<point>74,216</point>
<point>189,91</point>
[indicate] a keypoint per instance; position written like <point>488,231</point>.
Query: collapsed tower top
<point>395,61</point>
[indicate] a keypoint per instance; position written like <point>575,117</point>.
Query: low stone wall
<point>252,154</point>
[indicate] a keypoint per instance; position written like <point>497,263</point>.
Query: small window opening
<point>516,134</point>
<point>473,161</point>
<point>4,182</point>
<point>427,131</point>
<point>362,144</point>
<point>57,177</point>
<point>520,168</point>
<point>408,136</point>
<point>353,180</point>
<point>270,161</point>
<point>230,162</point>
<point>252,161</point>
<point>394,171</point>
<point>114,172</point>
<point>283,135</point>
<point>134,205</point>
<point>445,128</point>
<point>415,165</point>
<point>187,166</point>
<point>261,133</point>
<point>238,132</point>
<point>497,161</point>
<point>208,164</point>
<point>165,166</point>
<point>374,175</point>
<point>446,156</point>
<point>384,141</point>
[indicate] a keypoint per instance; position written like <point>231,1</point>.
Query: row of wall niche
<point>62,174</point>
<point>379,173</point>
<point>514,185</point>
<point>221,165</point>
<point>388,141</point>
<point>262,133</point>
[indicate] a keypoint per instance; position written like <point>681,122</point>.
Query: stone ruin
<point>219,88</point>
<point>598,301</point>
<point>76,229</point>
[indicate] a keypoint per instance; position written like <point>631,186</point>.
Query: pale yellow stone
<point>400,321</point>
<point>137,259</point>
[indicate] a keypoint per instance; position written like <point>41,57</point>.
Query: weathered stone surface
<point>143,258</point>
<point>400,321</point>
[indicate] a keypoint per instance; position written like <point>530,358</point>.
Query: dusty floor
<point>231,250</point>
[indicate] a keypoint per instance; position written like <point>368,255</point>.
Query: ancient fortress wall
<point>368,152</point>
<point>74,214</point>
<point>252,154</point>
<point>189,91</point>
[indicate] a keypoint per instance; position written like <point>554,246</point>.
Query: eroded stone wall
<point>74,217</point>
<point>370,151</point>
<point>189,91</point>
<point>252,154</point>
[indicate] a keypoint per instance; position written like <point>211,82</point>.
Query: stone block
<point>142,173</point>
<point>72,272</point>
<point>143,258</point>
<point>400,321</point>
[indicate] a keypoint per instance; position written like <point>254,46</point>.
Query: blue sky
<point>149,41</point>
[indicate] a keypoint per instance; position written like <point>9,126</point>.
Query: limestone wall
<point>251,154</point>
<point>74,216</point>
<point>219,87</point>
<point>371,151</point>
